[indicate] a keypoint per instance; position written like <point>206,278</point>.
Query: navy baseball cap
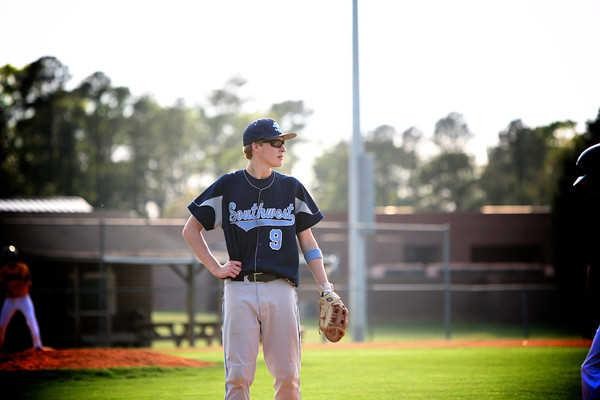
<point>265,128</point>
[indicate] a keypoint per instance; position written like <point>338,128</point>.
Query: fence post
<point>447,284</point>
<point>190,299</point>
<point>524,313</point>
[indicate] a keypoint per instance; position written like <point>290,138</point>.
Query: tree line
<point>524,168</point>
<point>116,150</point>
<point>121,151</point>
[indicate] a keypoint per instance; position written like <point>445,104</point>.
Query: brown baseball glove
<point>333,319</point>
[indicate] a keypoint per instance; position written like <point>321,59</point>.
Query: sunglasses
<point>274,142</point>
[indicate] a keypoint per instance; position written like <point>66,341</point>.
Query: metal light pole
<point>356,245</point>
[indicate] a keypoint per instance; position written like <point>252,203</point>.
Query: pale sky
<point>492,61</point>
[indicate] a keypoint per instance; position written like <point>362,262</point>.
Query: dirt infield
<point>112,358</point>
<point>49,359</point>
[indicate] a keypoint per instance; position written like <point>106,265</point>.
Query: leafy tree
<point>224,123</point>
<point>519,169</point>
<point>103,125</point>
<point>141,145</point>
<point>452,133</point>
<point>448,181</point>
<point>395,162</point>
<point>160,141</point>
<point>331,172</point>
<point>37,147</point>
<point>181,131</point>
<point>118,152</point>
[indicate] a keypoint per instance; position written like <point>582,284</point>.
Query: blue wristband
<point>313,255</point>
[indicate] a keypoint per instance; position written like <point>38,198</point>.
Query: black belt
<point>256,277</point>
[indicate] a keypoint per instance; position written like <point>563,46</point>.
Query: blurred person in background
<point>15,281</point>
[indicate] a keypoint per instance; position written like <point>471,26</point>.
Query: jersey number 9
<point>276,237</point>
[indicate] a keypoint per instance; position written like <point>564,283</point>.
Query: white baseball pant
<point>24,304</point>
<point>266,311</point>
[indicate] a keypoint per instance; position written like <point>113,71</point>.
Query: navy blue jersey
<point>260,219</point>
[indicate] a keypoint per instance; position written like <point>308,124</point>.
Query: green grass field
<point>457,373</point>
<point>337,372</point>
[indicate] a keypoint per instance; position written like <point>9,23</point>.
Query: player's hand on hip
<point>230,269</point>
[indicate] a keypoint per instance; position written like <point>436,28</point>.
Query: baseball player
<point>262,214</point>
<point>588,187</point>
<point>16,283</point>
